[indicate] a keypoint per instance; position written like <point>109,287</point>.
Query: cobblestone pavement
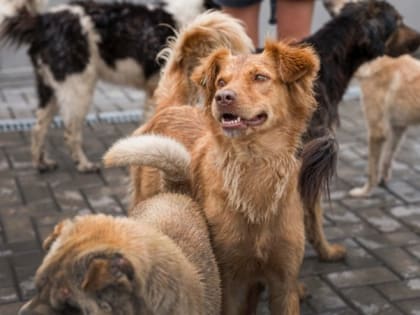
<point>381,274</point>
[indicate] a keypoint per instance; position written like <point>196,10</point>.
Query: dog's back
<point>391,87</point>
<point>67,38</point>
<point>390,93</point>
<point>181,219</point>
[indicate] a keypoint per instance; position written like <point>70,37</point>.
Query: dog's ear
<point>58,229</point>
<point>206,73</point>
<point>292,62</point>
<point>104,271</point>
<point>404,40</point>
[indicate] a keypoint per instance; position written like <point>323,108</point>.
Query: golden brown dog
<point>244,169</point>
<point>390,100</point>
<point>158,262</point>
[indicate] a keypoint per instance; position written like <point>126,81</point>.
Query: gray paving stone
<point>410,307</point>
<point>101,200</point>
<point>344,311</point>
<point>372,202</point>
<point>322,298</point>
<point>8,295</point>
<point>340,214</point>
<point>381,221</point>
<point>409,289</point>
<point>361,277</point>
<point>71,201</point>
<point>18,228</point>
<point>404,190</point>
<point>389,240</point>
<point>406,211</point>
<point>414,250</point>
<point>349,230</point>
<point>369,302</point>
<point>400,261</point>
<point>359,257</point>
<point>313,267</point>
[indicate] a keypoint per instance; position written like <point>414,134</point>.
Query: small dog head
<point>79,275</point>
<point>384,31</point>
<point>248,94</point>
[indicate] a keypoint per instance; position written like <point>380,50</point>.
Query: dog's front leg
<point>284,296</point>
<point>235,293</point>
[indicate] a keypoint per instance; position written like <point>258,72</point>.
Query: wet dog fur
<point>390,93</point>
<point>359,32</point>
<point>159,261</point>
<point>244,167</point>
<point>75,45</point>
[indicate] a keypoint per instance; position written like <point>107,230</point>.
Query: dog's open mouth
<point>232,121</point>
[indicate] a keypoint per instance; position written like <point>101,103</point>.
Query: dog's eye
<point>221,83</point>
<point>260,77</point>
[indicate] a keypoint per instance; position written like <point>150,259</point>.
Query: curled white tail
<point>160,152</point>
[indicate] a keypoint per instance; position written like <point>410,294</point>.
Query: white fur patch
<point>184,11</point>
<point>126,72</point>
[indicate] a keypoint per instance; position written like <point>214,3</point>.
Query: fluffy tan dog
<point>158,262</point>
<point>390,100</point>
<point>244,170</point>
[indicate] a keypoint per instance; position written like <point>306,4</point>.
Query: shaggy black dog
<point>72,46</point>
<point>360,33</point>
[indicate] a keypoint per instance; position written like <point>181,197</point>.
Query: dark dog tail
<point>206,33</point>
<point>19,20</point>
<point>319,162</point>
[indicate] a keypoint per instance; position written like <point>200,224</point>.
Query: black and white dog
<point>72,46</point>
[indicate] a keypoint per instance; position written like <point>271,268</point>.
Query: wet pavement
<point>381,274</point>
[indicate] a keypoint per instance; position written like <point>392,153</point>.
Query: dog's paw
<point>335,252</point>
<point>303,292</point>
<point>46,165</point>
<point>88,167</point>
<point>360,191</point>
<point>383,183</point>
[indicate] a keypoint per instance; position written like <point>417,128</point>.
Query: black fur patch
<point>209,4</point>
<point>354,37</point>
<point>130,31</point>
<point>357,35</point>
<point>45,92</point>
<point>60,43</point>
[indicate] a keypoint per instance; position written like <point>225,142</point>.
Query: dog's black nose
<point>225,97</point>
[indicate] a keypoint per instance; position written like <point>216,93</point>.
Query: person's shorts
<point>236,3</point>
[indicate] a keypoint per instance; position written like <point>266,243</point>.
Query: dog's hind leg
<point>44,115</point>
<point>390,148</point>
<point>75,97</point>
<point>375,146</point>
<point>315,235</point>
